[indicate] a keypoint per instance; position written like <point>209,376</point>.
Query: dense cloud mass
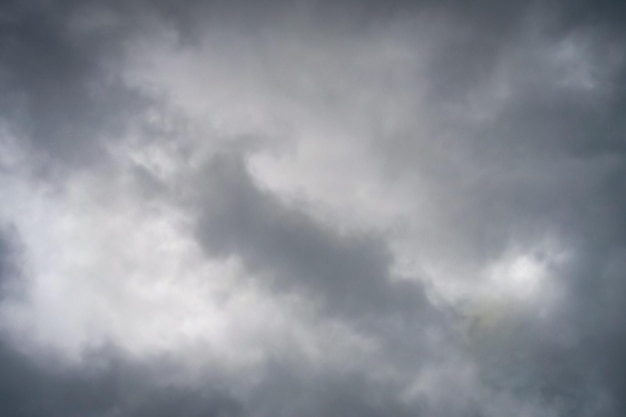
<point>312,208</point>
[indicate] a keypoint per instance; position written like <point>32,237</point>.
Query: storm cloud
<point>402,208</point>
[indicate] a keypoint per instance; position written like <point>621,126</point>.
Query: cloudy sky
<point>312,208</point>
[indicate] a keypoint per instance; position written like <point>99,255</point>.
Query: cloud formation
<point>278,209</point>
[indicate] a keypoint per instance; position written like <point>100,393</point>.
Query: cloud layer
<point>302,209</point>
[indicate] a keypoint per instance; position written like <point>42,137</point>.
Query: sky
<point>312,208</point>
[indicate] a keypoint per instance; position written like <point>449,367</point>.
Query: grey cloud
<point>548,159</point>
<point>551,163</point>
<point>61,92</point>
<point>334,394</point>
<point>107,386</point>
<point>10,263</point>
<point>350,273</point>
<point>346,276</point>
<point>110,385</point>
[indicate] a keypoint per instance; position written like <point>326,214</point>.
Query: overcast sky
<point>312,208</point>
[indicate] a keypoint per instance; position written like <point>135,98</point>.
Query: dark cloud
<point>349,273</point>
<point>10,263</point>
<point>550,162</point>
<point>335,394</point>
<point>62,94</point>
<point>106,386</point>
